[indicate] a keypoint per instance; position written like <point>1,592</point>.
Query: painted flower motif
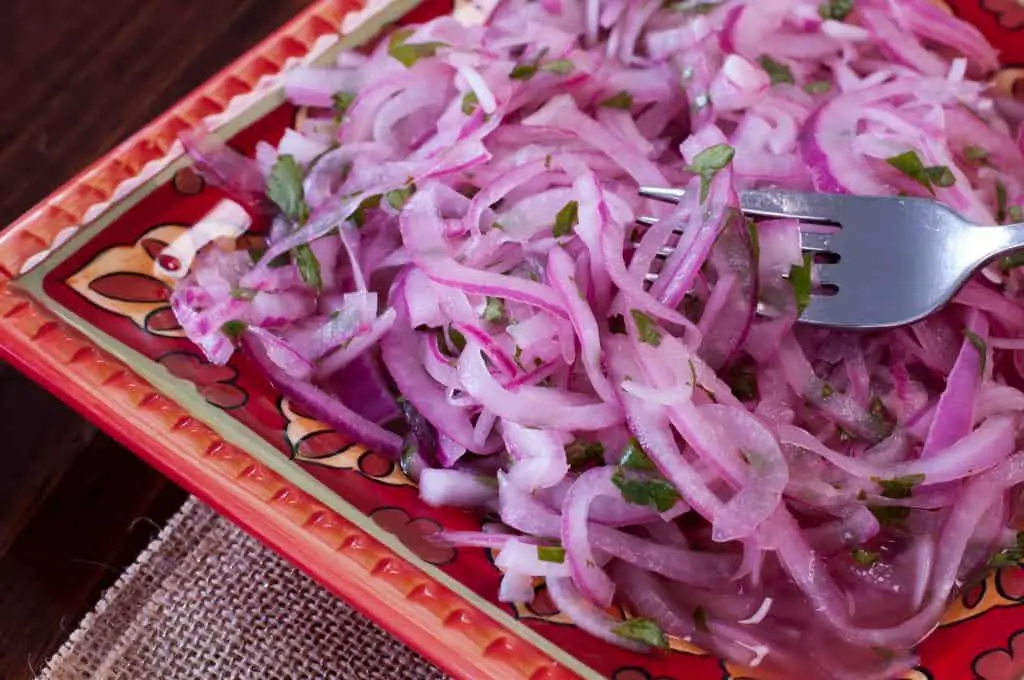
<point>1010,12</point>
<point>1004,663</point>
<point>124,281</point>
<point>1001,588</point>
<point>315,443</point>
<point>216,384</point>
<point>413,532</point>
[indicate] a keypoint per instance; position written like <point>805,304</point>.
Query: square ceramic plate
<point>83,313</point>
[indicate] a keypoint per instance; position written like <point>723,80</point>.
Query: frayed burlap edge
<point>205,600</point>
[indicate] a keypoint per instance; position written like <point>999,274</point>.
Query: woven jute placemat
<point>205,600</point>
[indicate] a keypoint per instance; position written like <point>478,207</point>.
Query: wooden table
<point>76,79</point>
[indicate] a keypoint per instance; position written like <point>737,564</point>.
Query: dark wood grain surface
<point>76,78</point>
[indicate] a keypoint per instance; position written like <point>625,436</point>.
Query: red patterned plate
<point>84,314</point>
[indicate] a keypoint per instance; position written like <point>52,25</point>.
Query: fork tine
<point>663,194</point>
<point>767,203</point>
<point>815,242</point>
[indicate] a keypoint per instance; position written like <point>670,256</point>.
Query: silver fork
<point>884,261</point>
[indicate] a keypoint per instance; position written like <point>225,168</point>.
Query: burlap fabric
<point>207,601</point>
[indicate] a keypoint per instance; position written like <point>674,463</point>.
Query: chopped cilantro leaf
<point>910,164</point>
<point>561,67</point>
<point>1009,557</point>
<point>369,203</point>
<point>890,515</point>
<point>864,558</point>
<point>239,293</point>
<point>284,188</point>
<point>817,87</point>
<point>1016,213</point>
<point>646,328</point>
<point>634,457</point>
<point>340,102</point>
<point>1012,261</point>
<point>409,53</point>
<point>979,345</point>
<point>622,100</point>
<point>837,10</point>
<point>458,339</point>
<point>469,103</point>
<point>708,162</point>
<point>1000,202</point>
<point>644,631</point>
<point>899,487</point>
<point>397,198</point>
<point>976,154</point>
<point>494,311</point>
<point>567,218</point>
<point>524,71</point>
<point>778,72</point>
<point>655,492</point>
<point>233,329</point>
<point>800,280</point>
<point>309,266</point>
<point>551,553</point>
<point>581,453</point>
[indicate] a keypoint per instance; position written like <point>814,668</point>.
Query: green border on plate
<point>186,394</point>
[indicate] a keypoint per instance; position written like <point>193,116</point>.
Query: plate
<point>84,314</point>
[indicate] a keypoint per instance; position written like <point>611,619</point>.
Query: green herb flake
<point>617,325</point>
<point>890,515</point>
<point>899,487</point>
<point>282,260</point>
<point>864,558</point>
<point>910,164</point>
<point>1012,261</point>
<point>644,631</point>
<point>650,491</point>
<point>239,293</point>
<point>708,163</point>
<point>800,281</point>
<point>562,67</point>
<point>826,391</point>
<point>646,328</point>
<point>469,103</point>
<point>818,87</point>
<point>836,10</point>
<point>566,219</point>
<point>340,102</point>
<point>458,339</point>
<point>633,456</point>
<point>581,453</point>
<point>1000,202</point>
<point>623,100</point>
<point>755,240</point>
<point>524,71</point>
<point>777,71</point>
<point>397,198</point>
<point>284,188</point>
<point>309,266</point>
<point>358,217</point>
<point>976,154</point>
<point>979,345</point>
<point>233,329</point>
<point>1009,557</point>
<point>551,553</point>
<point>494,310</point>
<point>940,176</point>
<point>1016,213</point>
<point>409,53</point>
